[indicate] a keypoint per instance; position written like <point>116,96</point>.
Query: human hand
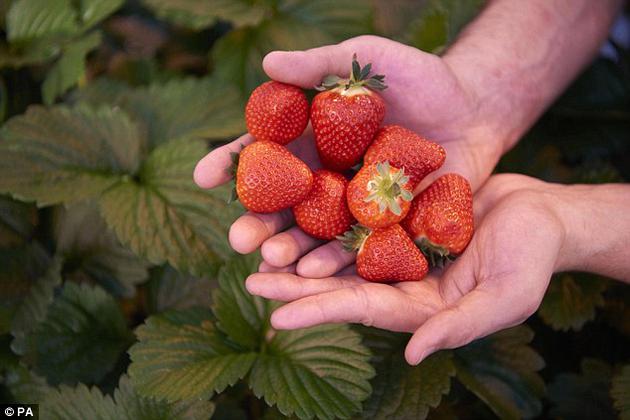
<point>498,282</point>
<point>424,94</point>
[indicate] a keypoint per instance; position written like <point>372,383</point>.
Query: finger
<point>286,247</point>
<point>308,68</point>
<point>474,316</point>
<point>371,304</point>
<point>350,270</point>
<point>288,287</point>
<point>325,260</point>
<point>212,170</point>
<point>249,231</point>
<point>266,268</point>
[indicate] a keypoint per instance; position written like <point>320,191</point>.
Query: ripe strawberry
<point>346,116</point>
<point>324,212</point>
<point>269,178</point>
<point>441,219</point>
<point>379,195</point>
<point>405,149</point>
<point>385,255</point>
<point>276,112</point>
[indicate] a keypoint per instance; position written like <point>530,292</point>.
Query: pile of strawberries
<point>395,233</point>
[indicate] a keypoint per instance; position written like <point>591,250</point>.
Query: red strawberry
<point>405,149</point>
<point>345,117</point>
<point>385,255</point>
<point>441,218</point>
<point>276,112</point>
<point>379,195</point>
<point>269,178</point>
<point>324,212</point>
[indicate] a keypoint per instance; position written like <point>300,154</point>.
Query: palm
<point>498,282</point>
<point>423,94</point>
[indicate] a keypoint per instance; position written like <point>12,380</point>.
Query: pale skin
<point>477,100</point>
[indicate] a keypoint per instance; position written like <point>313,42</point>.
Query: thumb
<point>307,68</point>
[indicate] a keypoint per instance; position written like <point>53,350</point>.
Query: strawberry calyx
<point>357,82</point>
<point>353,239</point>
<point>437,255</point>
<point>231,171</point>
<point>386,188</point>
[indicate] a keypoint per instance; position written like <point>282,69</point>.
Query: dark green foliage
<point>120,297</point>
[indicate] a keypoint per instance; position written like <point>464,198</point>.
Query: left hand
<point>498,282</point>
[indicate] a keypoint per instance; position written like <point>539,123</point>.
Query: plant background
<point>120,298</point>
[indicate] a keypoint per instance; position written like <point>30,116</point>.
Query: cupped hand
<point>498,282</point>
<point>424,94</point>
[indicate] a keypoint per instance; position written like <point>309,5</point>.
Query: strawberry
<point>379,195</point>
<point>385,255</point>
<point>269,178</point>
<point>346,116</point>
<point>324,213</point>
<point>276,112</point>
<point>405,149</point>
<point>441,218</point>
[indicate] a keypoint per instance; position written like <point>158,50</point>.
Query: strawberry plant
<point>120,297</point>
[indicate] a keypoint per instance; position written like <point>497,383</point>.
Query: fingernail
<point>250,285</point>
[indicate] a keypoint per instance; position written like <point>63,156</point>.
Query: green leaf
<point>620,392</point>
<point>25,386</point>
<point>171,289</point>
<point>243,317</point>
<point>440,23</point>
<point>82,337</point>
<point>180,354</point>
<point>55,155</point>
<point>402,391</point>
<point>166,217</point>
<point>501,371</point>
<point>584,396</point>
<point>31,19</point>
<point>80,403</point>
<point>69,68</point>
<point>571,300</point>
<point>33,310</point>
<point>22,266</point>
<point>93,11</point>
<point>322,371</point>
<point>294,25</point>
<point>17,221</point>
<point>203,108</point>
<point>91,251</point>
<point>199,15</point>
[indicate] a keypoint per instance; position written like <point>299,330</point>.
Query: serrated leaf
<point>167,218</point>
<point>93,11</point>
<point>31,19</point>
<point>17,221</point>
<point>180,354</point>
<point>69,68</point>
<point>66,403</point>
<point>402,391</point>
<point>171,289</point>
<point>92,252</point>
<point>620,392</point>
<point>59,154</point>
<point>34,309</point>
<point>202,108</point>
<point>294,25</point>
<point>583,396</point>
<point>316,372</point>
<point>501,371</point>
<point>81,338</point>
<point>25,386</point>
<point>571,301</point>
<point>242,317</point>
<point>198,15</point>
